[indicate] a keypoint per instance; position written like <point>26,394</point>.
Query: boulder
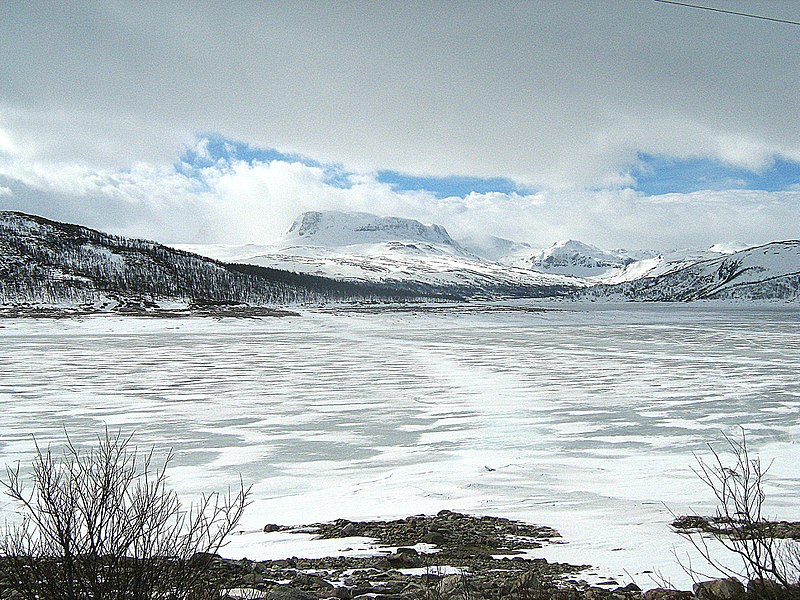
<point>719,589</point>
<point>454,586</point>
<point>404,558</point>
<point>287,592</point>
<point>666,594</point>
<point>304,580</point>
<point>342,593</point>
<point>765,588</point>
<point>434,537</point>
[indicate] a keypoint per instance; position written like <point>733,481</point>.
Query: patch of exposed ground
<point>725,526</point>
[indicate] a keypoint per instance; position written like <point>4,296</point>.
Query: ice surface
<point>584,418</point>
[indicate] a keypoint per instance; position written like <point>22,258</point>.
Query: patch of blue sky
<point>656,174</point>
<point>443,187</point>
<point>213,150</point>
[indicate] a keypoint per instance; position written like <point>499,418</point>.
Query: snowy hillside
<point>50,263</point>
<point>355,256</point>
<point>492,248</point>
<point>763,272</point>
<point>661,264</point>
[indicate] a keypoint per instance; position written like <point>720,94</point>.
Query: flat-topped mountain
<point>338,229</point>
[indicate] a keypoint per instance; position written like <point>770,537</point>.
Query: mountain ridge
<point>50,262</point>
<point>761,272</point>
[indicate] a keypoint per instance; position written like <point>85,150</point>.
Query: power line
<point>729,12</point>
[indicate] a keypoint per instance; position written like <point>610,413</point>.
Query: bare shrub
<point>768,562</point>
<point>100,523</point>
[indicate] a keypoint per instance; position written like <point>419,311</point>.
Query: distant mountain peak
<point>575,258</point>
<point>338,228</point>
<point>728,247</point>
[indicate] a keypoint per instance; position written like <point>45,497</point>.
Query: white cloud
<point>6,145</point>
<point>255,203</point>
<point>99,99</point>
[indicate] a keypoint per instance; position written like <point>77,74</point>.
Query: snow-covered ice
<point>584,418</point>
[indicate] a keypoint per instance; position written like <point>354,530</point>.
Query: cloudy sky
<point>628,123</point>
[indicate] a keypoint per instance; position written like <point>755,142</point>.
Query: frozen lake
<point>584,418</point>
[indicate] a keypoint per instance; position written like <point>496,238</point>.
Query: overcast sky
<point>621,123</point>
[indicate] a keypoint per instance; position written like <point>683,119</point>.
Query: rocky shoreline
<point>448,556</point>
<point>220,310</point>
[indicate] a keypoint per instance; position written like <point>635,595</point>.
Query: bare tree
<point>769,561</point>
<point>100,523</point>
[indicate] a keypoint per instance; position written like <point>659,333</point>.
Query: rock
<point>719,589</point>
<point>270,527</point>
<point>665,594</point>
<point>287,592</point>
<point>349,530</point>
<point>413,590</point>
<point>203,559</point>
<point>249,580</point>
<point>765,588</point>
<point>692,523</point>
<point>284,563</point>
<point>303,580</point>
<point>404,558</point>
<point>434,537</point>
<point>454,586</point>
<point>343,593</point>
<point>528,581</point>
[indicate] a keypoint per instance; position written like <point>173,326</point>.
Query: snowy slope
<point>51,263</point>
<point>762,272</point>
<point>494,248</point>
<point>362,256</point>
<point>364,247</point>
<point>402,252</point>
<point>661,264</point>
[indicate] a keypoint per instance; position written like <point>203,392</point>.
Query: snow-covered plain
<point>584,417</point>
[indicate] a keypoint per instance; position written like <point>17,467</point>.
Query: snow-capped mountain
<point>389,250</point>
<point>657,264</point>
<point>336,229</point>
<point>493,248</point>
<point>571,257</point>
<point>359,256</point>
<point>402,252</point>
